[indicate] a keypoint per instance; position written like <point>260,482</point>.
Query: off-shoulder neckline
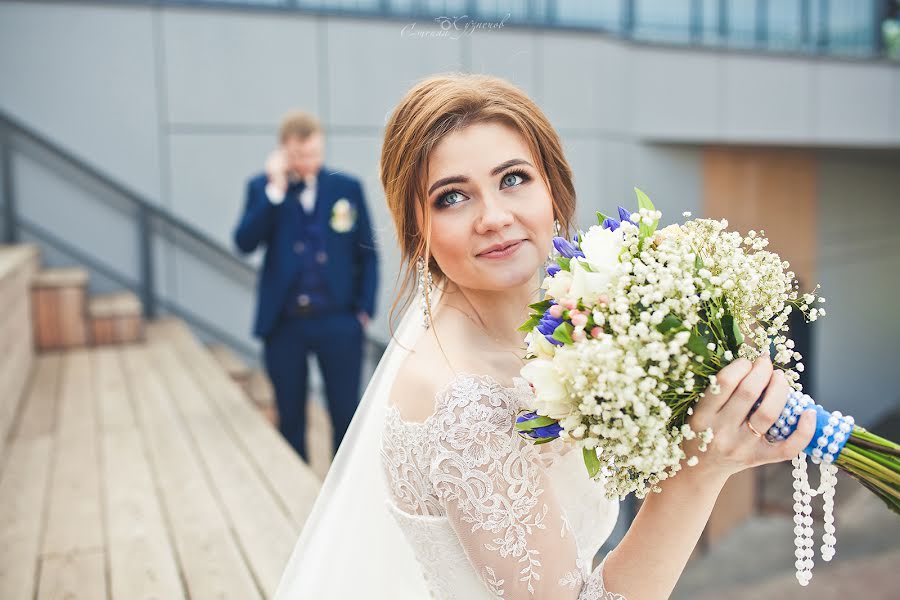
<point>517,381</point>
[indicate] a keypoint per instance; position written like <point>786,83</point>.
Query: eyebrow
<point>463,179</point>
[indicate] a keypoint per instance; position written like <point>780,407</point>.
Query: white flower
<point>587,285</point>
<point>551,395</point>
<point>558,285</point>
<point>343,216</point>
<point>539,345</point>
<point>601,248</point>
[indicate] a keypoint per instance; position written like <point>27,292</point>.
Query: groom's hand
<point>363,319</point>
<point>276,170</point>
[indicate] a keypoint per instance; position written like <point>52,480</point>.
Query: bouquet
<point>634,326</point>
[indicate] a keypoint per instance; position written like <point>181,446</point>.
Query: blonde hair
<point>299,124</point>
<point>433,109</point>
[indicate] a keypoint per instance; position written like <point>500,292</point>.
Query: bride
<point>432,494</point>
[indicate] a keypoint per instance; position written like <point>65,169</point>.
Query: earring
<point>426,285</point>
<point>556,227</point>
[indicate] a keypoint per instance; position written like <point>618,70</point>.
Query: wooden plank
<point>72,316</point>
<point>13,256</point>
<point>142,563</point>
<point>102,330</point>
<point>209,557</point>
<point>77,576</point>
<point>61,277</point>
<point>263,528</point>
<point>15,368</point>
<point>131,329</point>
<point>292,480</point>
<point>141,560</point>
<point>233,365</point>
<point>74,520</point>
<point>113,406</point>
<point>46,322</point>
<point>23,493</point>
<point>38,414</point>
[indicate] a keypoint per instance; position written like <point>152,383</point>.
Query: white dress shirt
<point>307,197</point>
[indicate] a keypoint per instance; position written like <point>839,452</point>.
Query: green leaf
<point>733,336</point>
<point>563,333</point>
<point>698,262</point>
<point>538,421</point>
<point>544,440</point>
<point>541,306</point>
<point>697,344</point>
<point>669,323</point>
<point>591,461</point>
<point>530,324</point>
<point>600,218</point>
<point>644,202</point>
<point>563,262</point>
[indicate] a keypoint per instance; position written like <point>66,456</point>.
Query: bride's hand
<point>735,446</point>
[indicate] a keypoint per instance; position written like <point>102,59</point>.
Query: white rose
<point>551,395</point>
<point>539,345</point>
<point>558,285</point>
<point>601,247</point>
<point>588,285</point>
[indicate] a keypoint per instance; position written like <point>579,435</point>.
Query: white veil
<point>351,546</point>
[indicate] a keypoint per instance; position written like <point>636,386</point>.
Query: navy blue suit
<point>315,278</point>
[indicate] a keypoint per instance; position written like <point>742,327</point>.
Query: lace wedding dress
<point>456,506</point>
<point>488,514</point>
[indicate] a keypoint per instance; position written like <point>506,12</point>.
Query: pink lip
<point>507,251</point>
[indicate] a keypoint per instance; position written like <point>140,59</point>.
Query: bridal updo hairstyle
<point>434,108</point>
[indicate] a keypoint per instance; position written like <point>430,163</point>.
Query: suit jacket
<point>351,269</point>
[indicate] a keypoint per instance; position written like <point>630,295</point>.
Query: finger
<point>773,402</point>
<point>797,441</point>
<point>738,406</point>
<point>728,378</point>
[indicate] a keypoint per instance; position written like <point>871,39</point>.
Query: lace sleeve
<point>492,487</point>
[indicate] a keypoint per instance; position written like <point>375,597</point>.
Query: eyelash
<point>521,173</point>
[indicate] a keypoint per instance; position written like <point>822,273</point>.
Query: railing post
<point>822,35</point>
<point>148,277</point>
<point>723,28</point>
<point>628,19</point>
<point>10,232</point>
<point>761,28</point>
<point>696,21</point>
<point>805,25</point>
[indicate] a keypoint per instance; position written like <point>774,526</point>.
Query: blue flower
<point>566,248</point>
<point>551,431</point>
<point>553,269</point>
<point>547,325</point>
<point>613,224</point>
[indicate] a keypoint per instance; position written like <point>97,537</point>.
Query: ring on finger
<point>753,429</point>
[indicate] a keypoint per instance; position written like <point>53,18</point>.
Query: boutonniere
<point>343,216</point>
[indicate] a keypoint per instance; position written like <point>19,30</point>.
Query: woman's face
<point>484,190</point>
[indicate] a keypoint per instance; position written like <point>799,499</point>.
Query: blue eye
<point>510,178</point>
<point>441,201</point>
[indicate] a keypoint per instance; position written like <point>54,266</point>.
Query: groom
<point>319,277</point>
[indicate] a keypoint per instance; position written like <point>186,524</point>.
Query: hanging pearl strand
<point>833,434</point>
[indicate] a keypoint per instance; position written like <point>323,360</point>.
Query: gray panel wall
<point>859,268</point>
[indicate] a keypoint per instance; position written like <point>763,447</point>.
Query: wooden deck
<point>141,471</point>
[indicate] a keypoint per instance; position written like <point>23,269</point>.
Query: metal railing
<point>847,28</point>
<point>151,224</point>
